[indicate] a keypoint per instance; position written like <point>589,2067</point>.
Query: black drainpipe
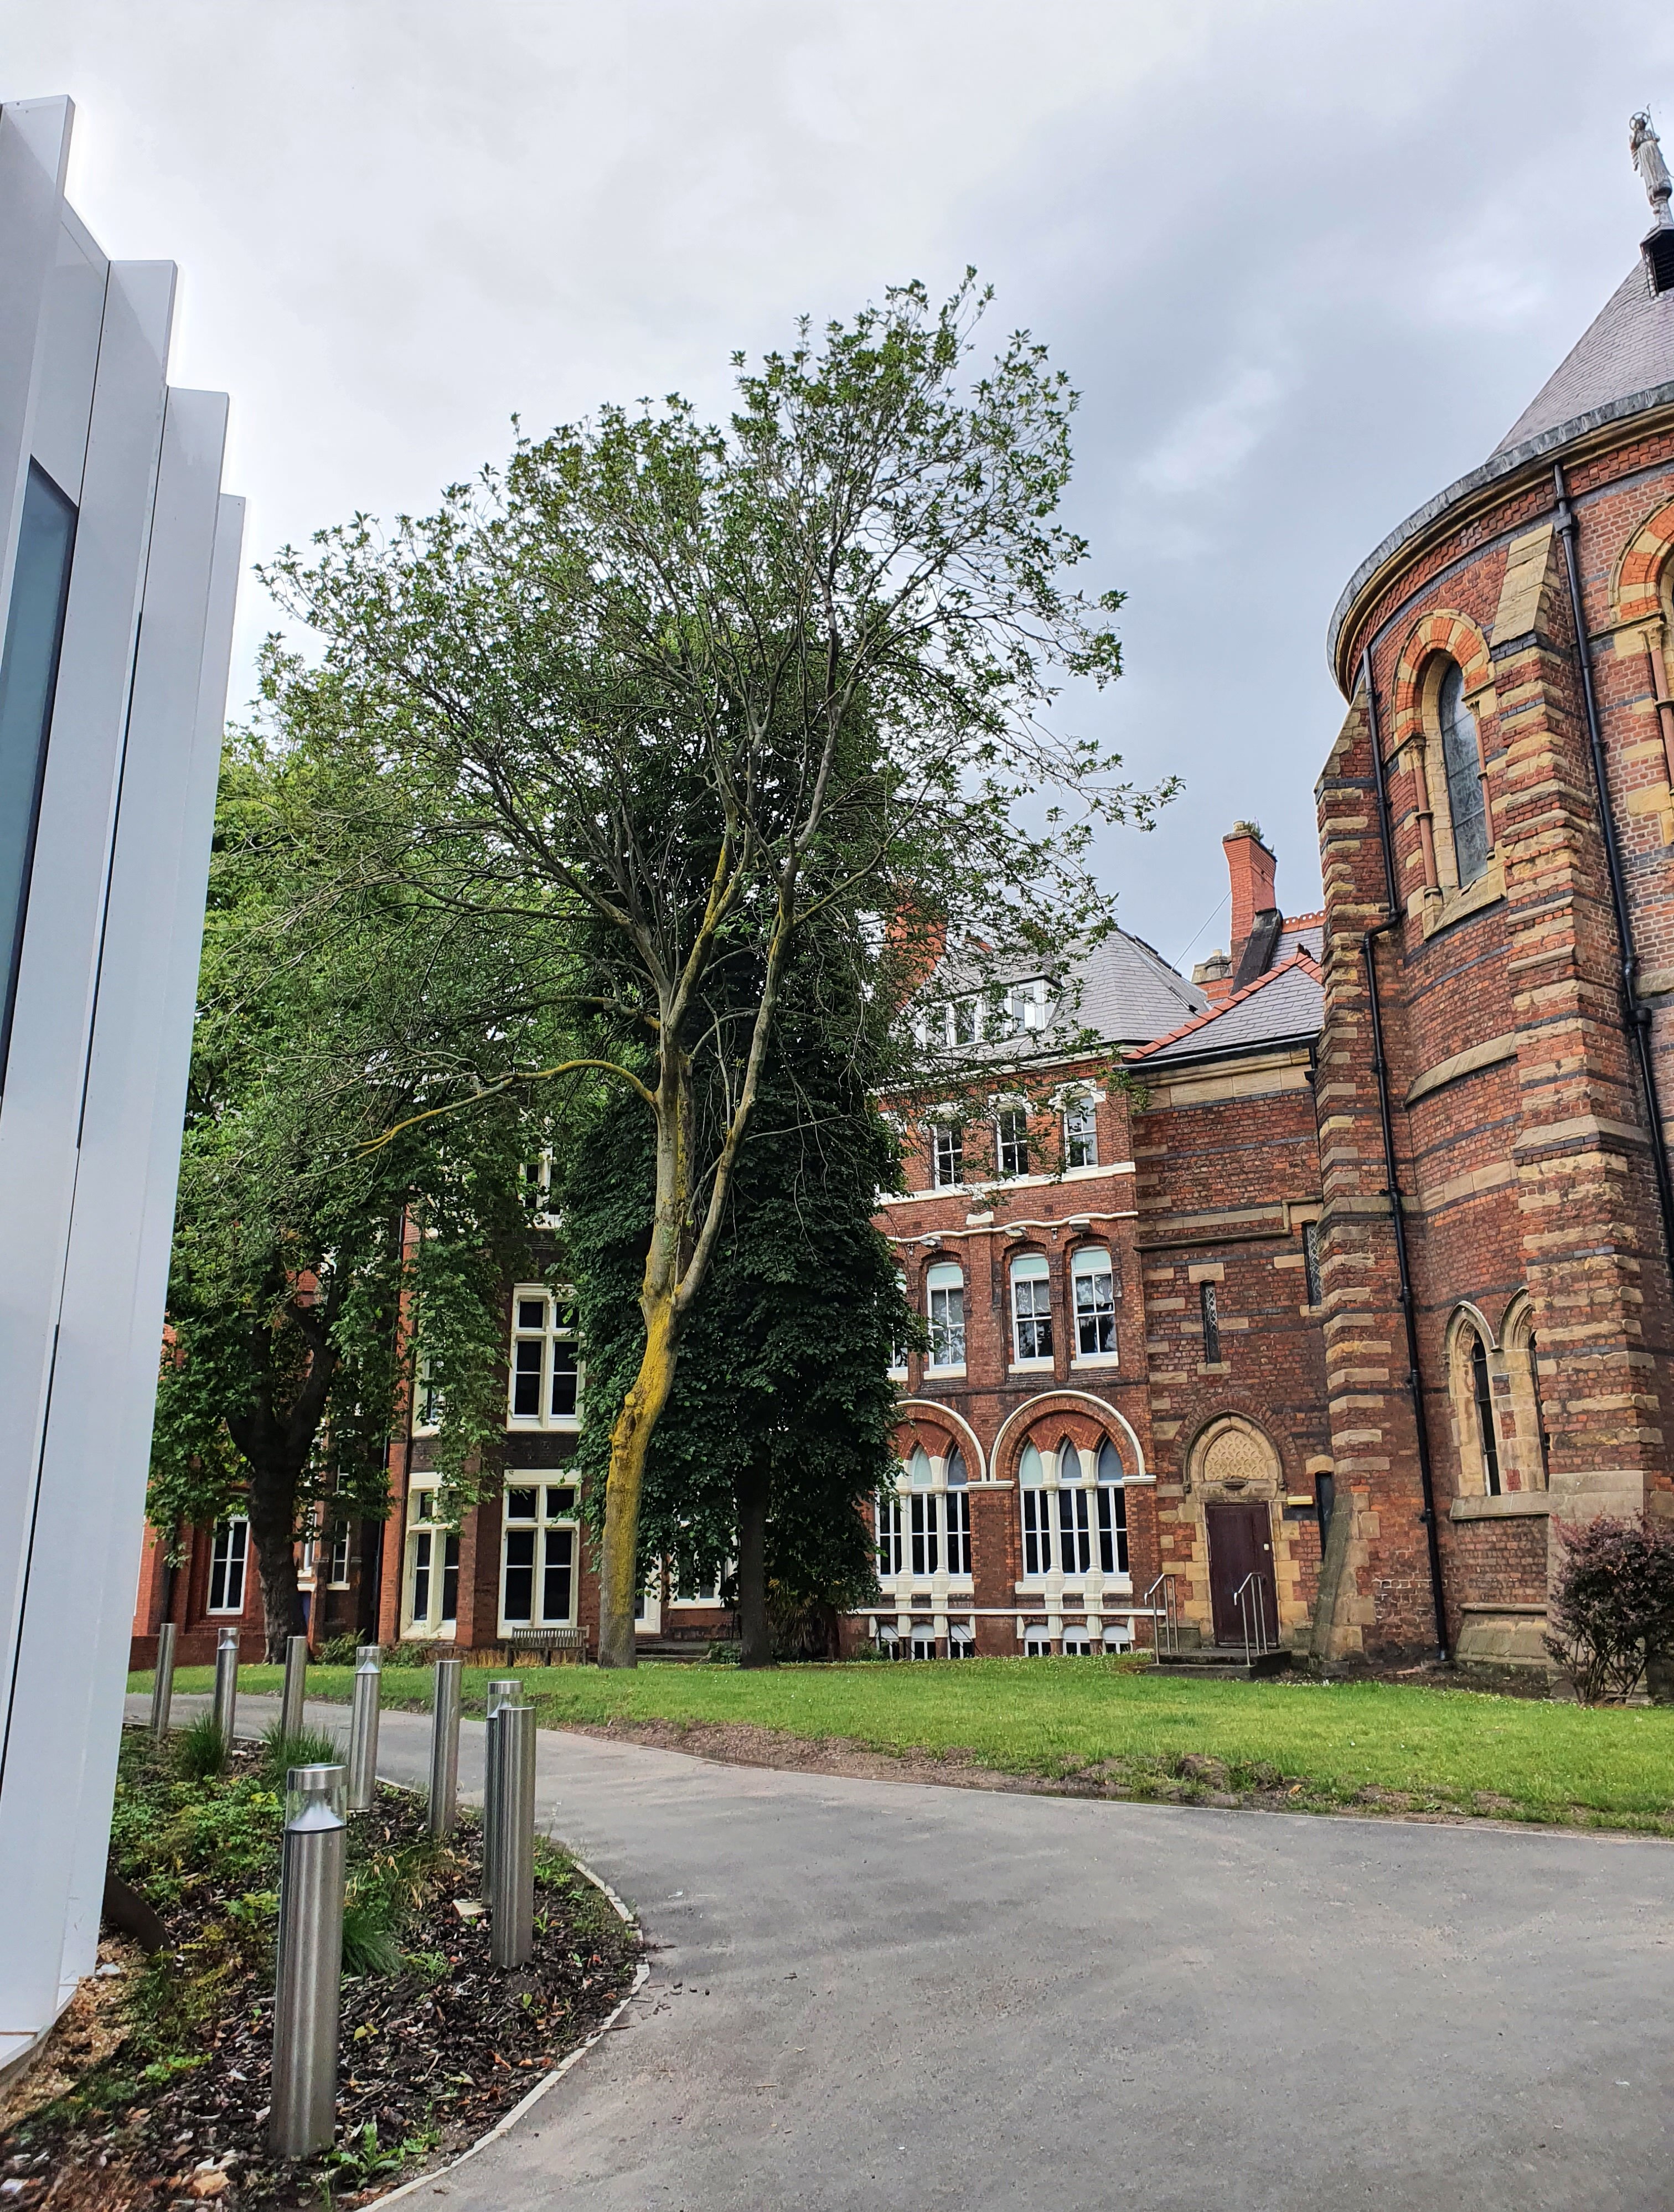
<point>1380,1069</point>
<point>1637,1014</point>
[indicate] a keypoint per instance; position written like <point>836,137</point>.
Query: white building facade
<point>119,561</point>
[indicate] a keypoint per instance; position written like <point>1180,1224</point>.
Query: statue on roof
<point>1652,169</point>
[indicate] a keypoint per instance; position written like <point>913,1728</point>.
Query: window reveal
<point>945,1286</point>
<point>1481,1391</point>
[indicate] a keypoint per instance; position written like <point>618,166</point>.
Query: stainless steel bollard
<point>512,1932</point>
<point>225,1707</point>
<point>296,1685</point>
<point>163,1688</point>
<point>308,1985</point>
<point>444,1809</point>
<point>500,1692</point>
<point>363,1727</point>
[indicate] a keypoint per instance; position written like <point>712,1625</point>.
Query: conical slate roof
<point>1627,350</point>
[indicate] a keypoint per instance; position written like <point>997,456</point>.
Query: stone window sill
<point>1510,1505</point>
<point>1442,908</point>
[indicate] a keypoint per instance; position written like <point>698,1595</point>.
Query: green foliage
<point>329,1009</point>
<point>1612,1604</point>
<point>306,1748</point>
<point>201,1748</point>
<point>371,1944</point>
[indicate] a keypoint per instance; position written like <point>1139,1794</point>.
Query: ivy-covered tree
<point>694,687</point>
<point>326,1013</point>
<point>777,1430</point>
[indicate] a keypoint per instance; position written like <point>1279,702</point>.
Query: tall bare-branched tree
<point>672,690</point>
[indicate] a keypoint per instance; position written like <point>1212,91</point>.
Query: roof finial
<point>1652,169</point>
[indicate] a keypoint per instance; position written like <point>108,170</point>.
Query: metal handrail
<point>1166,1616</point>
<point>1255,1647</point>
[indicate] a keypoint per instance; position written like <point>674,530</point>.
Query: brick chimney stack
<point>1252,868</point>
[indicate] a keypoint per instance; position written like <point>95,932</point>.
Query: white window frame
<point>337,1555</point>
<point>230,1552</point>
<point>926,1518</point>
<point>1084,1267</point>
<point>1081,1132</point>
<point>1027,1004</point>
<point>551,1519</point>
<point>554,1335</point>
<point>1067,1511</point>
<point>1029,1275</point>
<point>1011,1141</point>
<point>947,1332</point>
<point>679,1596</point>
<point>948,1138</point>
<point>426,1568</point>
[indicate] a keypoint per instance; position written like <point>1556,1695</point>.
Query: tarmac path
<point>876,1994</point>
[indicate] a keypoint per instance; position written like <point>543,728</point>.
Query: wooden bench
<point>569,1644</point>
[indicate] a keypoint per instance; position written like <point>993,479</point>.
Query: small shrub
<point>200,1750</point>
<point>307,1748</point>
<point>369,1942</point>
<point>1612,1606</point>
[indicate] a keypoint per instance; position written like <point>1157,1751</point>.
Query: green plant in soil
<point>200,1749</point>
<point>280,1752</point>
<point>1116,1724</point>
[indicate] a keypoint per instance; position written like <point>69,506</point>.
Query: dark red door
<point>1240,1544</point>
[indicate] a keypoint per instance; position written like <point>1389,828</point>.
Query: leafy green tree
<point>693,688</point>
<point>326,1015</point>
<point>778,1428</point>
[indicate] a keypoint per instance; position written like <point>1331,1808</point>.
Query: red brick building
<point>1179,1325</point>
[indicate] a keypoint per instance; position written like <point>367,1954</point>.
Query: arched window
<point>1481,1393</point>
<point>1093,1279</point>
<point>1037,1513</point>
<point>961,1640</point>
<point>923,1643</point>
<point>1524,1455</point>
<point>1036,1641</point>
<point>1032,1310</point>
<point>944,1286</point>
<point>1461,760</point>
<point>1075,1641</point>
<point>1112,1512</point>
<point>957,1504</point>
<point>926,1547</point>
<point>1074,1525</point>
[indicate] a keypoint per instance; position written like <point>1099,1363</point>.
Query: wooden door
<point>1240,1544</point>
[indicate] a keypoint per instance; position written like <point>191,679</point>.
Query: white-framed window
<point>922,1644</point>
<point>1093,1282</point>
<point>697,1588</point>
<point>336,1556</point>
<point>426,1397</point>
<point>1073,1518</point>
<point>891,1550</point>
<point>944,1289</point>
<point>889,1642</point>
<point>539,1555</point>
<point>1032,1310</point>
<point>1118,1639</point>
<point>1075,1643</point>
<point>924,1525</point>
<point>1081,1133</point>
<point>946,1155</point>
<point>432,1593</point>
<point>229,1557</point>
<point>546,1365</point>
<point>1036,1514</point>
<point>1011,1126</point>
<point>1036,1641</point>
<point>961,1640</point>
<point>1026,1004</point>
<point>1112,1511</point>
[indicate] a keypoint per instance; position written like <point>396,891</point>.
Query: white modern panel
<point>35,152</point>
<point>131,1150</point>
<point>40,1109</point>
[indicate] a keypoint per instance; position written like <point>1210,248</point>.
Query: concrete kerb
<point>525,2104</point>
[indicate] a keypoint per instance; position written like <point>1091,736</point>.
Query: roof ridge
<point>1300,958</point>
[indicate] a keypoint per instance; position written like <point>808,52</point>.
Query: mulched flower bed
<point>155,2091</point>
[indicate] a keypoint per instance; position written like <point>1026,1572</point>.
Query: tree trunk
<point>631,1439</point>
<point>755,1649</point>
<point>272,1507</point>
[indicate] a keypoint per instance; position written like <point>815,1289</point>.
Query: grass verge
<point>1113,1727</point>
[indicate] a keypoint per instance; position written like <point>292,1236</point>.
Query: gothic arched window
<point>1461,760</point>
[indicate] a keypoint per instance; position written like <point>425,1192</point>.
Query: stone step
<point>1223,1659</point>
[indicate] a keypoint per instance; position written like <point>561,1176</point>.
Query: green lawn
<point>1115,1725</point>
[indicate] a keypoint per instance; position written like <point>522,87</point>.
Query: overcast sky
<point>1305,260</point>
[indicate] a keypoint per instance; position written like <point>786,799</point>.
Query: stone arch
<point>1475,1390</point>
<point>1523,1440</point>
<point>1439,636</point>
<point>1233,1456</point>
<point>1015,1431</point>
<point>1437,639</point>
<point>1637,588</point>
<point>1233,1460</point>
<point>938,1414</point>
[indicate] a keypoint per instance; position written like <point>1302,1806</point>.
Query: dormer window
<point>1026,1004</point>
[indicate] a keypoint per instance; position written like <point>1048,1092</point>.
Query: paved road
<point>873,1995</point>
